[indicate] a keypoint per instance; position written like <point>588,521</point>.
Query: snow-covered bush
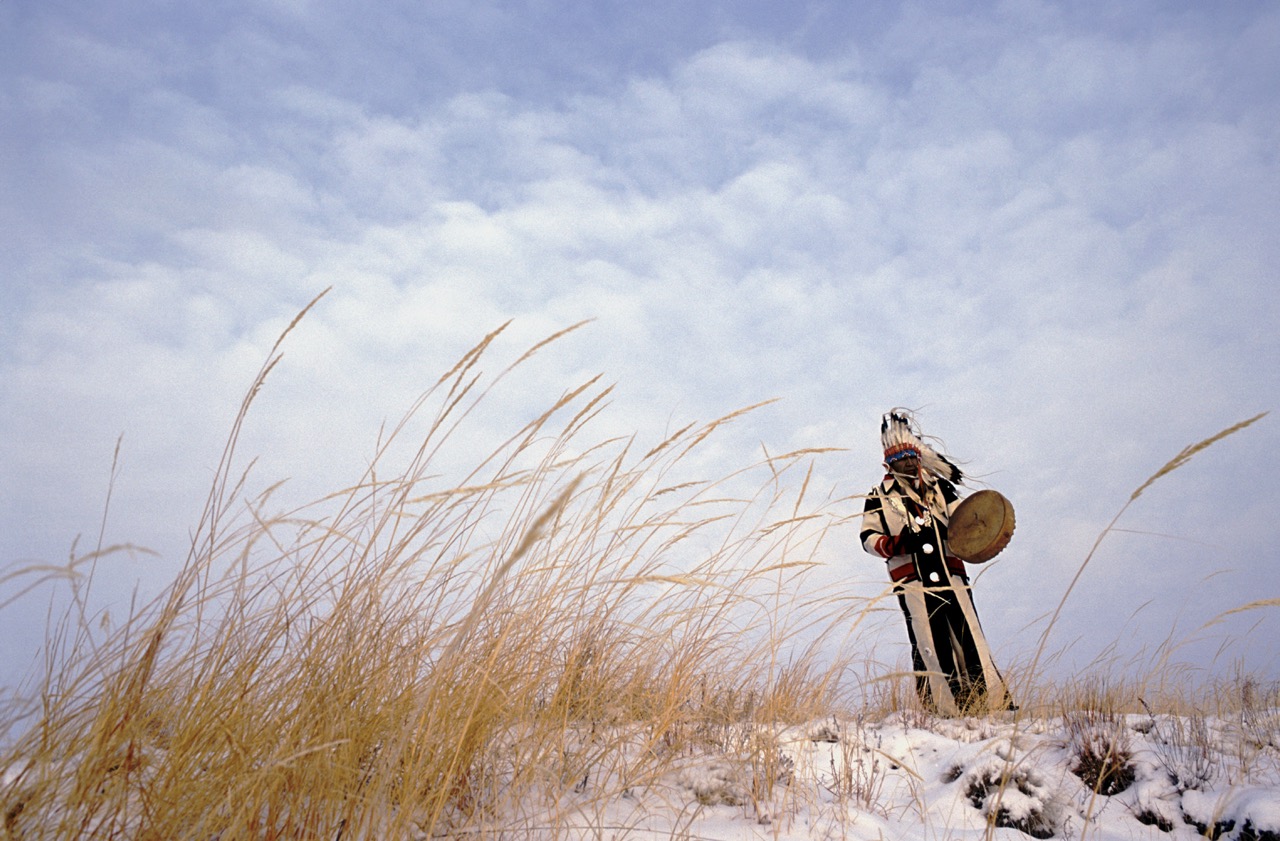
<point>1187,751</point>
<point>1101,750</point>
<point>1014,796</point>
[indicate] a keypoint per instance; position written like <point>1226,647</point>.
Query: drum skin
<point>980,527</point>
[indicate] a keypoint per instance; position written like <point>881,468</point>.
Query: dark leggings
<point>955,646</point>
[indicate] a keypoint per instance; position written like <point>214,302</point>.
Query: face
<point>906,466</point>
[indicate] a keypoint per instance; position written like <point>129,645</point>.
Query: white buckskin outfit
<point>905,522</point>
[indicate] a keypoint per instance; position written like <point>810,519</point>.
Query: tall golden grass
<point>415,657</point>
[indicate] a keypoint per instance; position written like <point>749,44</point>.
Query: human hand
<point>908,542</point>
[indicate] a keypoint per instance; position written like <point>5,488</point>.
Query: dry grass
<point>411,657</point>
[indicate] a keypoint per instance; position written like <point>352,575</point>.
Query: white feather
<point>898,427</point>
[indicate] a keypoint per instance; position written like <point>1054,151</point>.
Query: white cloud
<point>1058,244</point>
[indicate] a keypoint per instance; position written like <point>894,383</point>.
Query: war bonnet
<point>901,436</point>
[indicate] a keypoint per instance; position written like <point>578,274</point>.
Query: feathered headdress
<point>901,437</point>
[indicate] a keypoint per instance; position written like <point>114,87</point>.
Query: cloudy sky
<point>1051,226</point>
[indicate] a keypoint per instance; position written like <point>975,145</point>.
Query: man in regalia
<point>905,522</point>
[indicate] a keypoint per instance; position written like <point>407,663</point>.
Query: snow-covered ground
<point>910,776</point>
<point>913,776</point>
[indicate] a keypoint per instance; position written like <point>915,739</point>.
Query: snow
<point>908,776</point>
<point>912,776</point>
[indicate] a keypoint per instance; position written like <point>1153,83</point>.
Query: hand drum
<point>980,526</point>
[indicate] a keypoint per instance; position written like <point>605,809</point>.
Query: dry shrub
<point>1187,750</point>
<point>1102,753</point>
<point>1099,739</point>
<point>1103,756</point>
<point>858,779</point>
<point>1013,796</point>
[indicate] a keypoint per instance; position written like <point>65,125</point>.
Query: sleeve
<point>875,538</point>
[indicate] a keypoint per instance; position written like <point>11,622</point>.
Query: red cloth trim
<point>901,448</point>
<point>903,573</point>
<point>907,572</point>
